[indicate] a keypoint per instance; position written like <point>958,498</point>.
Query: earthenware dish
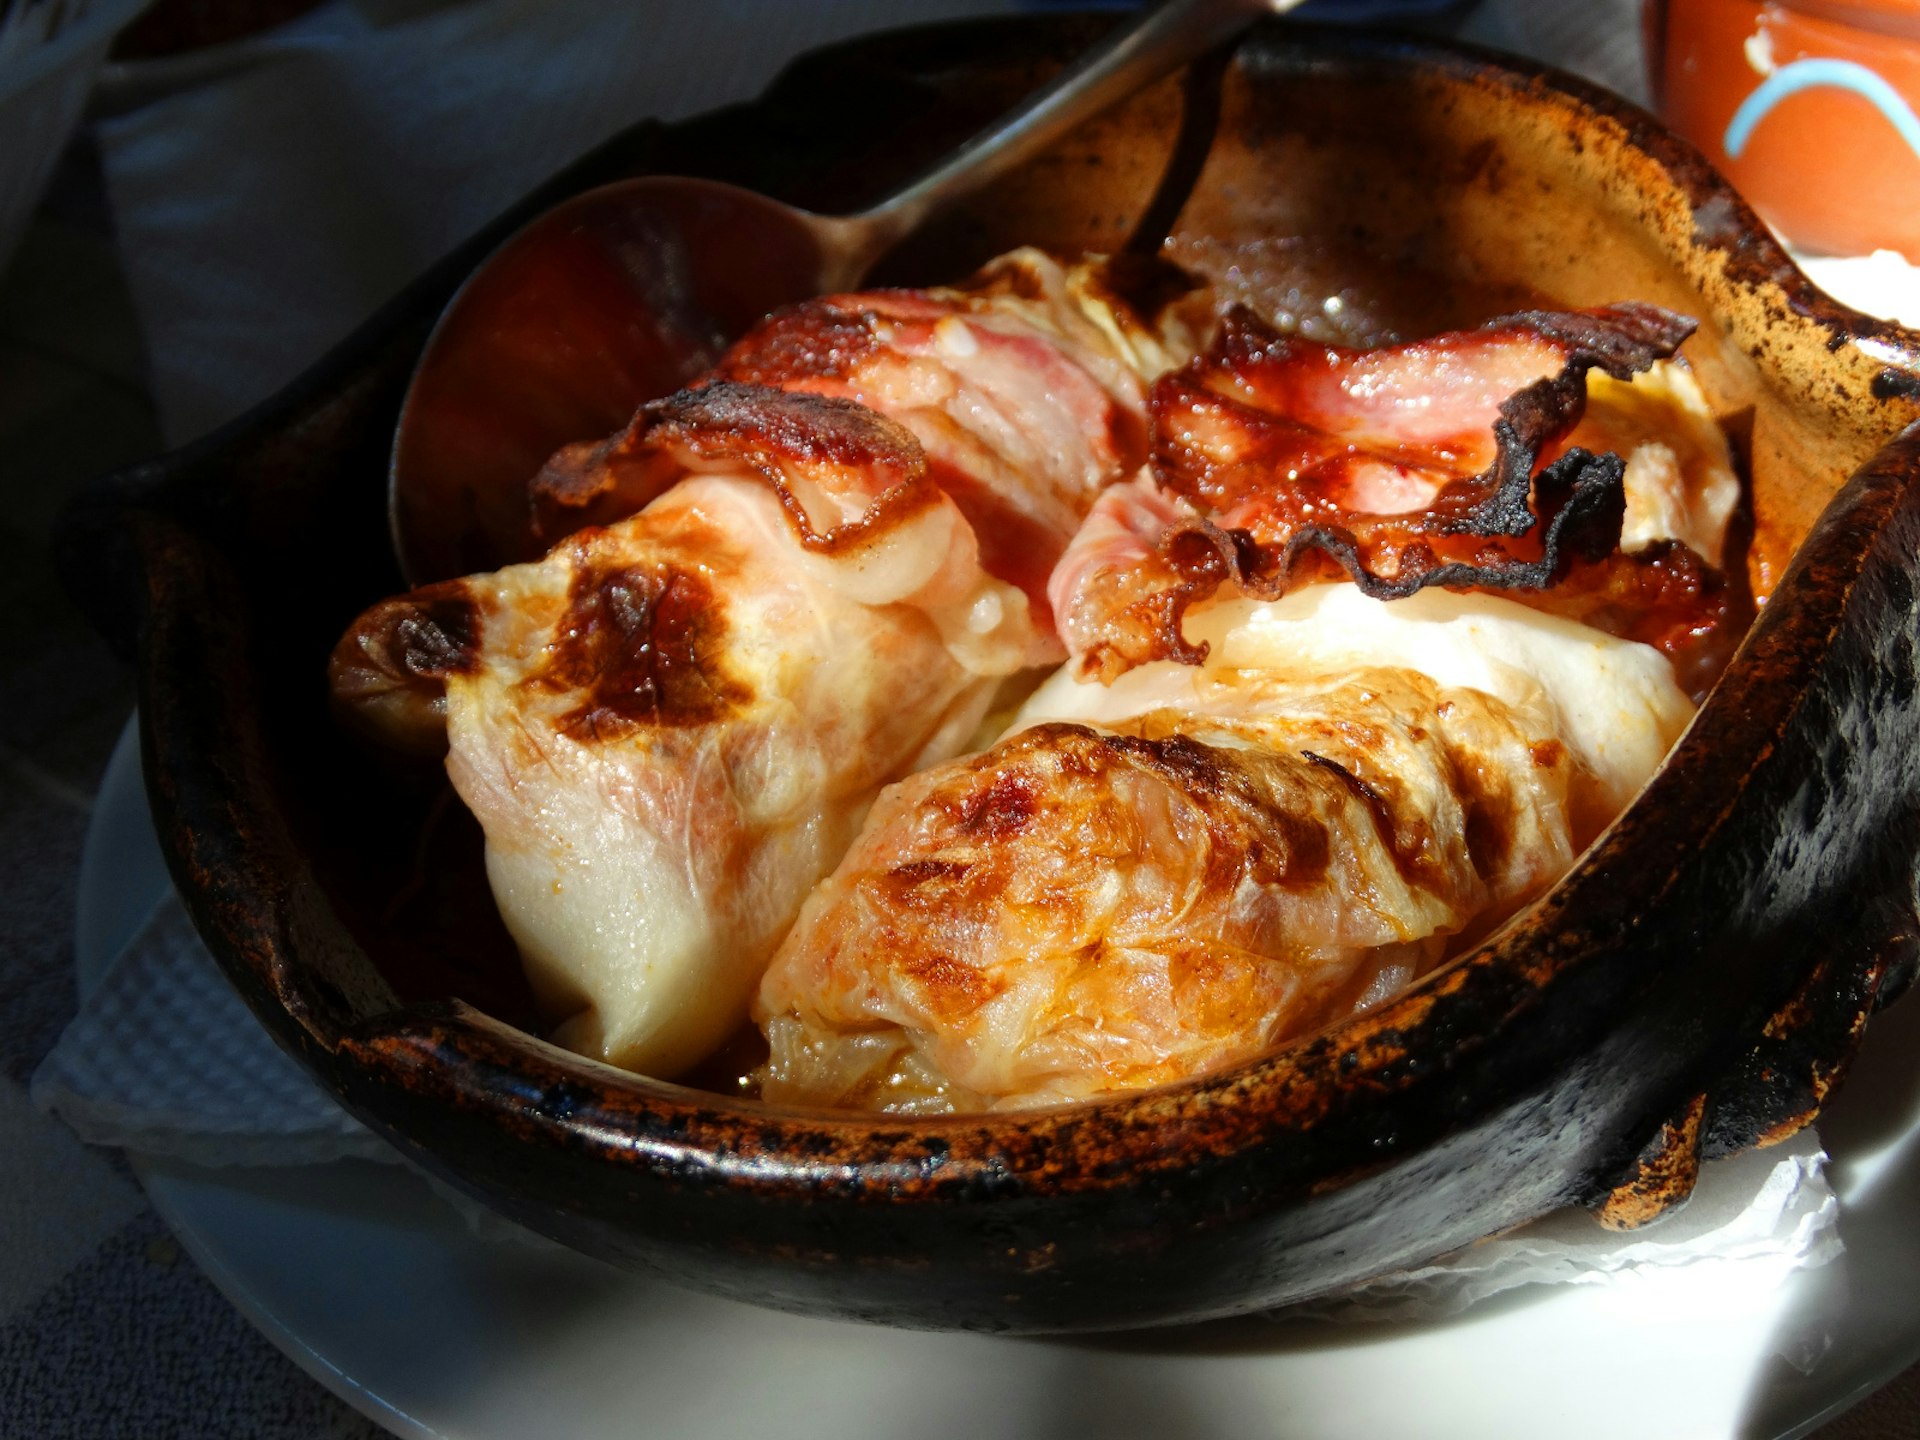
<point>1695,986</point>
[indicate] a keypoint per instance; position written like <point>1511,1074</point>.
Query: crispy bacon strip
<point>1279,460</point>
<point>841,470</point>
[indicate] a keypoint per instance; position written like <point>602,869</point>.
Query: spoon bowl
<point>612,298</point>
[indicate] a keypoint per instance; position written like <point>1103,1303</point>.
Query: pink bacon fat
<point>1026,388</point>
<point>1440,462</point>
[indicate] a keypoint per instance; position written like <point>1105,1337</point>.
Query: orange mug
<point>1811,108</point>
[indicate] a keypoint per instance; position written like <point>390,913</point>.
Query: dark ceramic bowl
<point>1694,987</point>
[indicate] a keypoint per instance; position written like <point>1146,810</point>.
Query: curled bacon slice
<point>1279,460</point>
<point>839,469</point>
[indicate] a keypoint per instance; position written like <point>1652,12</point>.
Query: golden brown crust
<point>642,645</point>
<point>388,673</point>
<point>827,339</point>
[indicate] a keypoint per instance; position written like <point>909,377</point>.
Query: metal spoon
<point>627,292</point>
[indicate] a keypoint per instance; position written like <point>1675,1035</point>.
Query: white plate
<point>378,1289</point>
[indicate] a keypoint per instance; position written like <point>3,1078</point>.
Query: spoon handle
<point>1166,37</point>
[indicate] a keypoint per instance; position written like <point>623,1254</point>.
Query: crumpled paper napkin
<point>166,1059</point>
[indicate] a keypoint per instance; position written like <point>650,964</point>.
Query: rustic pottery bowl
<point>1694,987</point>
